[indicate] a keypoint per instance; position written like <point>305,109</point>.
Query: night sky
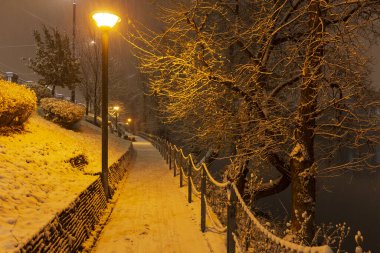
<point>18,19</point>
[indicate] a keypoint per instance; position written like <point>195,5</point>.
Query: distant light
<point>116,108</point>
<point>92,42</point>
<point>129,120</point>
<point>106,20</point>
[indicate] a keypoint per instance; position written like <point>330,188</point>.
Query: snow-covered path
<point>152,214</point>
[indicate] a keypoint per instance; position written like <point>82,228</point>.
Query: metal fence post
<point>170,157</point>
<point>161,147</point>
<point>203,200</point>
<point>166,152</point>
<point>175,162</point>
<point>231,219</point>
<point>180,173</point>
<point>189,188</point>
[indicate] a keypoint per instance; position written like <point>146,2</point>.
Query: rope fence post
<point>164,151</point>
<point>180,173</point>
<point>189,189</point>
<point>175,163</point>
<point>203,199</point>
<point>231,219</point>
<point>162,148</point>
<point>167,152</point>
<point>170,157</point>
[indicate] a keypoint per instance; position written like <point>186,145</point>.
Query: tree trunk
<point>53,91</point>
<point>303,189</point>
<point>87,105</point>
<point>95,103</point>
<point>73,95</point>
<point>302,156</point>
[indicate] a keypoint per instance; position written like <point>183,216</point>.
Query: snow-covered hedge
<point>40,90</point>
<point>16,104</point>
<point>61,111</point>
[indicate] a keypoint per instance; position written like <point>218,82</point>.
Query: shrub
<point>40,90</point>
<point>16,104</point>
<point>61,111</point>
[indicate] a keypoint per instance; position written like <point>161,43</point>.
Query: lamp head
<point>105,20</point>
<point>116,108</point>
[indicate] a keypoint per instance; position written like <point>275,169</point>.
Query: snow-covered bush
<point>61,111</point>
<point>40,90</point>
<point>16,104</point>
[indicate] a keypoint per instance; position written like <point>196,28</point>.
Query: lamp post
<point>116,108</point>
<point>74,33</point>
<point>129,121</point>
<point>105,21</point>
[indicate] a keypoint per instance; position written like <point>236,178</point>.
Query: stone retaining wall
<point>67,231</point>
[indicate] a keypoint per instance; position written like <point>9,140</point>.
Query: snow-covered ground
<point>152,214</point>
<point>36,182</point>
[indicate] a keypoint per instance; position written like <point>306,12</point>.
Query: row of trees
<point>54,60</point>
<point>274,85</point>
<point>57,66</point>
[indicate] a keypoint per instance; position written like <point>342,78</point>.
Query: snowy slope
<point>35,180</point>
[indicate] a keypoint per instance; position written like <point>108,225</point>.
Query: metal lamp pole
<point>116,121</point>
<point>105,22</point>
<point>74,35</point>
<point>105,38</point>
<point>116,109</point>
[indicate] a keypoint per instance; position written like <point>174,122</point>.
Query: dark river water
<point>353,198</point>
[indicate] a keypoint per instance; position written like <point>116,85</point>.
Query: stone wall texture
<point>67,231</point>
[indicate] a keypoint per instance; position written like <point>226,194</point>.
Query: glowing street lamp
<point>105,21</point>
<point>129,123</point>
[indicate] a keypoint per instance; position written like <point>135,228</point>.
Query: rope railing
<point>286,245</point>
<point>212,179</point>
<point>185,165</point>
<point>219,227</point>
<point>238,246</point>
<point>195,191</point>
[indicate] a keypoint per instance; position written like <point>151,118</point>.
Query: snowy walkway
<point>152,214</point>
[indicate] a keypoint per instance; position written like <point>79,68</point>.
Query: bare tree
<point>278,85</point>
<point>91,70</point>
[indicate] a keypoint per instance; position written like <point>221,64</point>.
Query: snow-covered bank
<point>36,181</point>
